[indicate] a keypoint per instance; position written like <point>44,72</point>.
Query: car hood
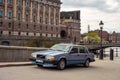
<point>49,52</point>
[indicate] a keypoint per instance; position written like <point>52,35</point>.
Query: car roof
<point>70,44</point>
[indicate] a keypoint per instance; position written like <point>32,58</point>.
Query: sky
<point>93,11</point>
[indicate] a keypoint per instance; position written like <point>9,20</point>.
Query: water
<point>115,49</point>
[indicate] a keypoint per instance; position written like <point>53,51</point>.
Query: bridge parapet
<point>97,46</point>
<point>17,53</point>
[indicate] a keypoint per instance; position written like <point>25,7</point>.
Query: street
<point>98,70</point>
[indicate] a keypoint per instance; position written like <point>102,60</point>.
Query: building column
<point>14,9</point>
<point>59,18</point>
<point>5,9</point>
<point>31,10</point>
<point>23,11</point>
<point>38,13</point>
<point>49,12</point>
<point>54,17</point>
<point>43,14</point>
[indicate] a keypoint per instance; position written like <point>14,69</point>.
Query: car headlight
<point>33,55</point>
<point>51,58</point>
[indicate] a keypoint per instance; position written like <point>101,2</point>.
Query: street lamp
<point>101,50</point>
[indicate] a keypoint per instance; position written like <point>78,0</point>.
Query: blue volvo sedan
<point>61,55</point>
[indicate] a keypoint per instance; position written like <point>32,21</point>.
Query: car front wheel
<point>61,64</point>
<point>87,63</point>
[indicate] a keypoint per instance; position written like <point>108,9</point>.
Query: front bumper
<point>44,63</point>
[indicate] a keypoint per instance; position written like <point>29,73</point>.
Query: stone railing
<point>15,53</point>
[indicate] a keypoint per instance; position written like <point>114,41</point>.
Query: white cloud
<point>92,11</point>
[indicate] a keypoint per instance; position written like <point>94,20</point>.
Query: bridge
<point>97,46</point>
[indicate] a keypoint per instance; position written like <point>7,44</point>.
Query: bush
<point>45,42</point>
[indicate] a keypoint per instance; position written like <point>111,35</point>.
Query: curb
<point>15,64</point>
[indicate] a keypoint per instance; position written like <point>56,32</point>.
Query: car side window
<point>74,50</point>
<point>82,50</point>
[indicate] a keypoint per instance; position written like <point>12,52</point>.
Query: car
<point>61,55</point>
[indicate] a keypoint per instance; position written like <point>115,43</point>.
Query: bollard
<point>111,54</point>
<point>101,54</point>
<point>116,52</point>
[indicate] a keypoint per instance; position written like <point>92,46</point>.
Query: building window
<point>51,21</point>
<point>47,8</point>
<point>19,33</point>
<point>27,16</point>
<point>56,35</point>
<point>34,6</point>
<point>40,34</point>
<point>51,28</point>
<point>41,20</point>
<point>34,34</point>
<point>1,23</point>
<point>41,7</point>
<point>9,25</point>
<point>46,35</point>
<point>52,10</point>
<point>1,1</point>
<point>40,27</point>
<point>27,26</point>
<point>9,2</point>
<point>34,18</point>
<point>46,20</point>
<point>34,27</point>
<point>19,2</point>
<point>19,26</point>
<point>19,16</point>
<point>27,34</point>
<point>1,13</point>
<point>10,33</point>
<point>56,21</point>
<point>56,29</point>
<point>27,4</point>
<point>46,28</point>
<point>51,35</point>
<point>9,14</point>
<point>1,32</point>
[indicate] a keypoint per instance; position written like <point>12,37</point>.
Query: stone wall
<point>15,53</point>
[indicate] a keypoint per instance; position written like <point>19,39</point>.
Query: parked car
<point>61,55</point>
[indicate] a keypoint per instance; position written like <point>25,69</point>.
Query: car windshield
<point>61,47</point>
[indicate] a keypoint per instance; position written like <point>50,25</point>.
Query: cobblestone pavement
<point>99,70</point>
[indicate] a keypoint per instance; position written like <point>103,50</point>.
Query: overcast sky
<point>93,11</point>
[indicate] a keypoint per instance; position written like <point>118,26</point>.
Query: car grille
<point>41,57</point>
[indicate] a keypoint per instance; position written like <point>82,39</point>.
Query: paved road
<point>99,70</point>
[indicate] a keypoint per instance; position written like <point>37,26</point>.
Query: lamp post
<point>101,50</point>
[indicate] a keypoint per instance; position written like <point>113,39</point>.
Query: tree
<point>92,37</point>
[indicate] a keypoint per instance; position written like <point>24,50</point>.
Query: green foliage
<point>92,37</point>
<point>36,42</point>
<point>45,42</point>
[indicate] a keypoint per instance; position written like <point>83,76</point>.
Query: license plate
<point>39,60</point>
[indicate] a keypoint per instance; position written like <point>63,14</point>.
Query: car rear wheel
<point>61,65</point>
<point>87,63</point>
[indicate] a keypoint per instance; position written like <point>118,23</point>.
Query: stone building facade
<point>22,20</point>
<point>71,22</point>
<point>30,18</point>
<point>115,37</point>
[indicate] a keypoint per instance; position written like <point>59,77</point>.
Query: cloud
<point>92,11</point>
<point>102,5</point>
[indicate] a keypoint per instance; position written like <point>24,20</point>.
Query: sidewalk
<point>11,64</point>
